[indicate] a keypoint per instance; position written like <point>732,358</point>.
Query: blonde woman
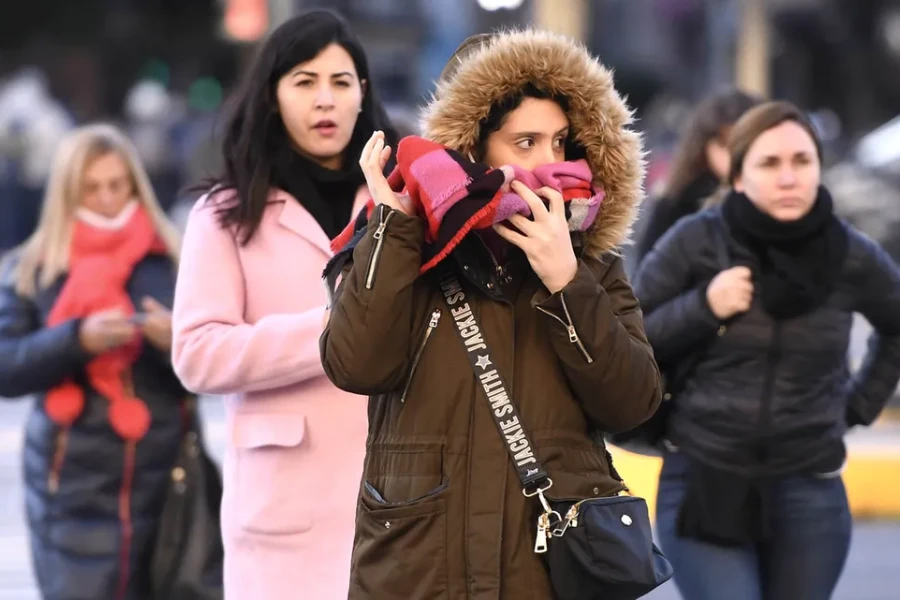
<point>85,328</point>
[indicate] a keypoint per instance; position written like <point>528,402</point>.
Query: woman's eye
<point>304,83</point>
<point>525,143</point>
<point>560,143</point>
<point>342,84</point>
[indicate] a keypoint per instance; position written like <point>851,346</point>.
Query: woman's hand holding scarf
<point>546,241</point>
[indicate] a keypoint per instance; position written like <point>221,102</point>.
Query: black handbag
<point>647,438</point>
<point>595,548</point>
<point>187,559</point>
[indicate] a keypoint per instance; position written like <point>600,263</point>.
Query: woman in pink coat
<point>250,306</point>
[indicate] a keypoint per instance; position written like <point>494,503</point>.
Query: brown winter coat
<point>441,512</point>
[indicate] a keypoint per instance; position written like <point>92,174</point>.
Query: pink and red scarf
<point>455,195</point>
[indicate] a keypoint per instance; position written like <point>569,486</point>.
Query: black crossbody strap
<point>506,416</point>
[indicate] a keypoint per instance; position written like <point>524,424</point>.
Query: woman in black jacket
<point>85,329</point>
<point>699,165</point>
<point>758,296</point>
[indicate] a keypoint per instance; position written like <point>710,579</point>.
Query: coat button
<point>596,491</point>
<point>667,396</point>
<point>387,524</point>
<point>490,286</point>
<point>466,268</point>
<point>722,330</point>
<point>626,521</point>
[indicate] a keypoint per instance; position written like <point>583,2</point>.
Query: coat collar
<point>296,218</point>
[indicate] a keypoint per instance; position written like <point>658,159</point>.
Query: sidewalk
<point>872,473</point>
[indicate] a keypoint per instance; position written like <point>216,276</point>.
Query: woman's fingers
<point>375,154</point>
<point>366,151</point>
<point>511,236</point>
<point>523,224</point>
<point>538,210</point>
<point>557,204</point>
<point>385,156</point>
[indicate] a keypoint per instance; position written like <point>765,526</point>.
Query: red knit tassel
<point>130,418</point>
<point>64,403</point>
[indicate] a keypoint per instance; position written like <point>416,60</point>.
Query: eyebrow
<point>766,157</point>
<point>538,133</point>
<point>314,74</point>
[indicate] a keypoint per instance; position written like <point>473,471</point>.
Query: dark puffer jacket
<point>77,536</point>
<point>765,396</point>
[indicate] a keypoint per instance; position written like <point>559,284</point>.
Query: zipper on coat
<point>501,274</point>
<point>59,455</point>
<point>125,492</point>
<point>432,325</point>
<point>765,411</point>
<point>570,328</point>
<point>383,221</point>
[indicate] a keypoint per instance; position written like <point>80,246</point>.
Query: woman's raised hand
<point>373,159</point>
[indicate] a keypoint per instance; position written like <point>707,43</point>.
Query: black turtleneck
<point>327,194</point>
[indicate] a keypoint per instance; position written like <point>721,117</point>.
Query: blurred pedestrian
<point>250,306</point>
<point>32,123</point>
<point>85,325</point>
<point>751,502</point>
<point>528,123</point>
<point>699,165</point>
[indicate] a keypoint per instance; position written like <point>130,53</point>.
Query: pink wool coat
<point>247,321</point>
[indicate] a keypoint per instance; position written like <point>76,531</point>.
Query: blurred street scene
<point>163,69</point>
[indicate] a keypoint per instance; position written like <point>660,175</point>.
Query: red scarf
<point>100,264</point>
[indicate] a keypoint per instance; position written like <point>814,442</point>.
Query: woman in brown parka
<point>441,511</point>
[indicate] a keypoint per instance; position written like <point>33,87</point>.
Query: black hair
<point>500,111</point>
<point>254,131</point>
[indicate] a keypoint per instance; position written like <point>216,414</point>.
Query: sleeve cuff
<point>77,353</point>
<point>584,282</point>
<point>698,304</point>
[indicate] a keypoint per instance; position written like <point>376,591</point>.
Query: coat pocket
<point>401,547</point>
<point>274,474</point>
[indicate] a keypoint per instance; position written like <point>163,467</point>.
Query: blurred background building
<point>163,67</point>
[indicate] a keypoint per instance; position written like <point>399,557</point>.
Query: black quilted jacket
<point>768,397</point>
<point>81,542</point>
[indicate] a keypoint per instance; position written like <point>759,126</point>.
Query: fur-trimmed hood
<point>599,118</point>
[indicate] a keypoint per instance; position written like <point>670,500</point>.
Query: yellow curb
<point>641,474</point>
<point>890,414</point>
<point>872,478</point>
<point>873,483</point>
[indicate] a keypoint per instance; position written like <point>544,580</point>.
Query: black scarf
<point>796,262</point>
<point>327,194</point>
<point>725,509</point>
